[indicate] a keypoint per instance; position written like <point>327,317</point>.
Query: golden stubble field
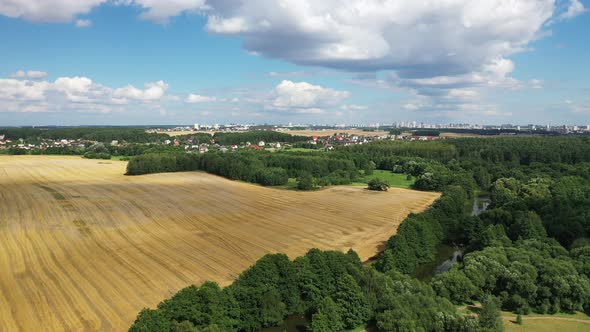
<point>83,247</point>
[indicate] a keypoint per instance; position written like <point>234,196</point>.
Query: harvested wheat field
<point>83,247</point>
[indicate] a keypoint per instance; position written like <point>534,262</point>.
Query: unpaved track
<point>83,247</point>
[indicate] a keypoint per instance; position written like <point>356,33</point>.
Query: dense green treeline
<point>332,288</point>
<point>524,150</point>
<point>379,150</point>
<point>134,149</point>
<point>106,135</point>
<point>137,135</point>
<point>426,132</point>
<point>529,275</point>
<point>264,168</point>
<point>537,197</point>
<point>228,138</point>
<point>64,151</point>
<point>485,132</point>
<point>529,252</point>
<point>506,150</point>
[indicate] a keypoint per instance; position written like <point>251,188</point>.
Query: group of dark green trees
<point>265,168</point>
<point>528,252</point>
<point>332,288</point>
<point>105,135</point>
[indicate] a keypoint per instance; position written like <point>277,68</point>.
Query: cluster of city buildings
<point>422,125</point>
<point>561,129</point>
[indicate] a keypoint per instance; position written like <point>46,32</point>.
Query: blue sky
<point>262,61</point>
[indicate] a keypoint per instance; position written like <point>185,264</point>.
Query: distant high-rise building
<point>197,127</point>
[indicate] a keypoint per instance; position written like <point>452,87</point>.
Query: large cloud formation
<point>445,52</point>
<point>415,38</point>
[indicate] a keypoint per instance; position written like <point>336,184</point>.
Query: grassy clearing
<point>577,315</point>
<point>83,247</point>
<point>544,325</point>
<point>538,322</point>
<point>395,180</point>
<point>120,158</point>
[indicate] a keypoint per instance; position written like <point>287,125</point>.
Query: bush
<point>378,185</point>
<point>97,155</point>
<point>273,176</point>
<point>305,182</point>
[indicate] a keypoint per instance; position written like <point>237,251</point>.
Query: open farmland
<point>83,247</point>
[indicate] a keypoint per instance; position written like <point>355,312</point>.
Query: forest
<point>529,252</point>
<point>105,135</point>
<point>265,168</point>
<point>241,138</point>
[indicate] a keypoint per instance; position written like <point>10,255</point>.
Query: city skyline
<point>140,62</point>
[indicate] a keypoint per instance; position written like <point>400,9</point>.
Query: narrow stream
<point>446,255</point>
<point>480,204</point>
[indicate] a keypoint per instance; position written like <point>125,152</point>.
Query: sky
<point>149,62</point>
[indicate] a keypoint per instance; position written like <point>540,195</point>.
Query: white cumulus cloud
<point>195,98</point>
<point>384,35</point>
<point>289,95</point>
<point>574,8</point>
<point>78,93</point>
<point>32,74</point>
<point>14,90</point>
<point>47,10</point>
<point>353,107</point>
<point>83,23</point>
<point>160,11</point>
<point>445,53</point>
<point>151,91</point>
